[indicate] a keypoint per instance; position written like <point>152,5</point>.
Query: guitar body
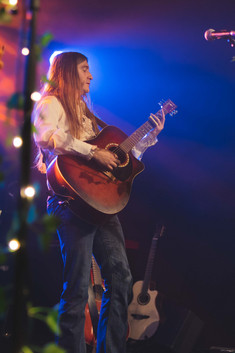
<point>143,316</point>
<point>91,190</point>
<point>89,332</point>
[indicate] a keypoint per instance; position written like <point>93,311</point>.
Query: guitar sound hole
<point>121,154</point>
<point>143,299</point>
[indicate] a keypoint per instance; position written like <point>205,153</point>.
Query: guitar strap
<point>93,308</point>
<point>100,122</point>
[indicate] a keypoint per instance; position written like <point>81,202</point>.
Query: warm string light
<point>25,51</point>
<point>13,2</point>
<point>28,192</point>
<point>35,96</point>
<point>17,142</point>
<point>14,245</point>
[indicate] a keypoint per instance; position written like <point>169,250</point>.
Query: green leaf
<point>33,310</point>
<point>38,52</point>
<point>46,39</point>
<point>52,323</point>
<point>33,129</point>
<point>26,349</point>
<point>47,315</point>
<point>53,348</point>
<point>45,80</point>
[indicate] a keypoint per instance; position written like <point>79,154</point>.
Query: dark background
<point>140,52</point>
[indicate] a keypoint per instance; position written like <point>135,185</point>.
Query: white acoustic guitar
<point>143,316</point>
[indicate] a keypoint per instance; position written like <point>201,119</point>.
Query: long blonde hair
<point>64,84</point>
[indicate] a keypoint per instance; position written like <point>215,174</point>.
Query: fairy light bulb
<point>17,142</point>
<point>28,192</point>
<point>35,96</point>
<point>25,51</point>
<point>14,245</point>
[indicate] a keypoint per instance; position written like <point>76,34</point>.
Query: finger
<point>114,164</point>
<point>156,119</point>
<point>117,161</point>
<point>159,118</point>
<point>163,114</point>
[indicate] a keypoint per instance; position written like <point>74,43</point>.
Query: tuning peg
<point>174,112</point>
<point>161,103</point>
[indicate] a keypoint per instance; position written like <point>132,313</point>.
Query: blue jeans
<point>78,240</point>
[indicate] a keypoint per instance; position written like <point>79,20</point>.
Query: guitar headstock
<point>168,107</point>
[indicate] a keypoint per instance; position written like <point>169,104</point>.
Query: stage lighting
<point>54,54</point>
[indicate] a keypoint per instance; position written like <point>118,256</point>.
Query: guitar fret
<point>133,139</point>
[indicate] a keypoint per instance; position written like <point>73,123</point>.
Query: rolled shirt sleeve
<point>148,140</point>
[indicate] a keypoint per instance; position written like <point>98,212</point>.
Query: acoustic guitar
<point>98,288</point>
<point>95,194</point>
<point>143,316</point>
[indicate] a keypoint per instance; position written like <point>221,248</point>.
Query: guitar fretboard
<point>97,279</point>
<point>127,145</point>
<point>134,138</point>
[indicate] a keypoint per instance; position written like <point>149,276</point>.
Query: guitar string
<point>131,141</point>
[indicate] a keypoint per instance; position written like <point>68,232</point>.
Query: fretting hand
<point>159,121</point>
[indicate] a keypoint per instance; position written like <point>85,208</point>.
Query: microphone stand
<point>20,322</point>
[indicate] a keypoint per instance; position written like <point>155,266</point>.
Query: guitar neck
<point>151,257</point>
<point>97,279</point>
<point>149,267</point>
<point>136,136</point>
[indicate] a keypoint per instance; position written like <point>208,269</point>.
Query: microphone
<point>211,34</point>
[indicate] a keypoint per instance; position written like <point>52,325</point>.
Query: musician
<point>63,124</point>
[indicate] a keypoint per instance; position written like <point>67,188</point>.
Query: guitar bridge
<point>109,175</point>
